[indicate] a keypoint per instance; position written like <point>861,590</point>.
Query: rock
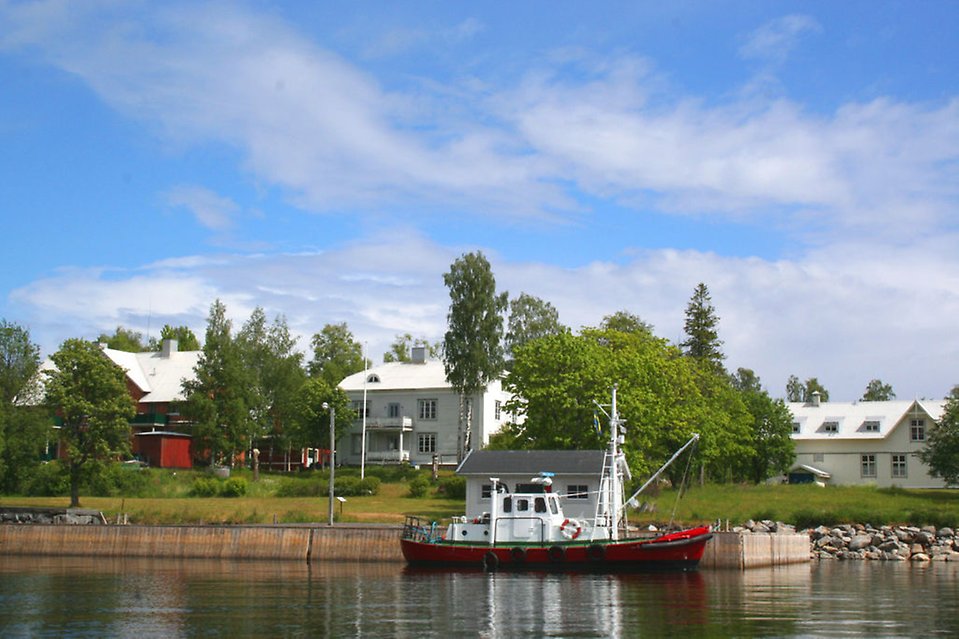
<point>925,538</point>
<point>860,542</point>
<point>903,535</point>
<point>919,556</point>
<point>945,532</point>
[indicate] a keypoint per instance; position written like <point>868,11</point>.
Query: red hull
<point>681,550</point>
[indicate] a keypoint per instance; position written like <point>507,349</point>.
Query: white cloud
<point>211,210</point>
<point>776,39</point>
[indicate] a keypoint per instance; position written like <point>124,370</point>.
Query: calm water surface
<point>67,597</point>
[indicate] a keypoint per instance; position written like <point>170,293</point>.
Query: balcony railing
<point>394,456</point>
<point>388,423</point>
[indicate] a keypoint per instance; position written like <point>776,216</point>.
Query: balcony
<point>388,456</point>
<point>384,424</point>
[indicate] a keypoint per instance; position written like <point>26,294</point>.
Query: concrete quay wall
<point>343,542</point>
<point>755,550</point>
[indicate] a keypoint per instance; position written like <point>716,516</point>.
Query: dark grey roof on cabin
<point>567,462</point>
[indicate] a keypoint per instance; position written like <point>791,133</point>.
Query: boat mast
<point>614,469</point>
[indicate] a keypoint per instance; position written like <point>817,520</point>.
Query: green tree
<point>220,398</point>
<point>19,363</point>
<point>626,322</point>
<point>797,391</point>
<point>530,318</point>
<point>877,391</point>
<point>312,424</point>
<point>336,354</point>
<point>771,426</point>
<point>268,351</point>
<point>90,394</point>
<point>402,348</point>
<point>123,339</point>
<point>186,339</point>
<point>473,345</point>
<point>941,452</point>
<point>702,339</point>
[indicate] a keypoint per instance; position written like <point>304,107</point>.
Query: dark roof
<point>532,462</point>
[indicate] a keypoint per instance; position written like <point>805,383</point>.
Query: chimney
<point>814,399</point>
<point>419,354</point>
<point>168,348</point>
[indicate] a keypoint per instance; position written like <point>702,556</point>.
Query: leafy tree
<point>90,394</point>
<point>771,426</point>
<point>270,356</point>
<point>797,391</point>
<point>626,322</point>
<point>123,339</point>
<point>473,346</point>
<point>941,452</point>
<point>219,399</point>
<point>877,391</point>
<point>530,318</point>
<point>702,339</point>
<point>336,354</point>
<point>19,363</point>
<point>312,423</point>
<point>186,339</point>
<point>402,348</point>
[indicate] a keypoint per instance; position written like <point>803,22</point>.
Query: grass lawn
<point>801,505</point>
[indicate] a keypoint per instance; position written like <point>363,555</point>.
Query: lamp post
<point>332,453</point>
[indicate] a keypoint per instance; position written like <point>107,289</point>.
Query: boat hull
<point>676,551</point>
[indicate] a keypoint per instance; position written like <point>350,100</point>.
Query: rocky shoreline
<point>865,542</point>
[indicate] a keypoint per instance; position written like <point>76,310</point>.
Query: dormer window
<point>796,428</point>
<point>373,378</point>
<point>870,426</point>
<point>830,427</point>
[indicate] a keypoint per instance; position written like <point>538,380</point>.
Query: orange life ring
<point>570,528</point>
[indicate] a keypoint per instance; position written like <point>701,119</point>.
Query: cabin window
<point>577,491</point>
<point>427,408</point>
<point>553,506</point>
<point>899,466</point>
<point>522,505</point>
<point>539,505</point>
<point>507,504</point>
<point>917,430</point>
<point>868,465</point>
<point>530,488</point>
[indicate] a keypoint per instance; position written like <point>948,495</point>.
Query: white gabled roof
<point>159,377</point>
<point>854,420</point>
<point>398,376</point>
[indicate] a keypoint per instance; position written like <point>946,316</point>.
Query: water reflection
<point>78,597</point>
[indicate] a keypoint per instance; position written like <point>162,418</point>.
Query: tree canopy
<point>336,354</point>
<point>89,393</point>
<point>530,318</point>
<point>626,322</point>
<point>22,427</point>
<point>797,391</point>
<point>473,345</point>
<point>401,350</point>
<point>123,339</point>
<point>877,391</point>
<point>185,337</point>
<point>702,337</point>
<point>941,452</point>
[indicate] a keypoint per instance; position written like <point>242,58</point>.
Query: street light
<point>332,454</point>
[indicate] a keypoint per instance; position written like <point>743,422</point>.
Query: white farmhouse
<point>847,443</point>
<point>412,413</point>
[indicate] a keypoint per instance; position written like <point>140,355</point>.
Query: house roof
<point>532,462</point>
<point>858,420</point>
<point>811,470</point>
<point>160,376</point>
<point>398,376</point>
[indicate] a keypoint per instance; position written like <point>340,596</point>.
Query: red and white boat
<point>529,529</point>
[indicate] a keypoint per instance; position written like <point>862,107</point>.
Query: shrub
<point>302,487</point>
<point>48,480</point>
<point>454,487</point>
<point>112,480</point>
<point>205,487</point>
<point>356,487</point>
<point>233,487</point>
<point>419,486</point>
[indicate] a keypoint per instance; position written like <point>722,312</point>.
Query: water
<point>70,597</point>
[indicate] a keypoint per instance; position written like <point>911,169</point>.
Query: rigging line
<point>682,484</point>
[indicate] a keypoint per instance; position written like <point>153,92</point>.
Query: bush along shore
<point>863,541</point>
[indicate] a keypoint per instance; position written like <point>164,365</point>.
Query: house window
<point>795,428</point>
<point>373,379</point>
<point>577,491</point>
<point>393,410</point>
<point>917,430</point>
<point>362,409</point>
<point>868,465</point>
<point>426,443</point>
<point>497,410</point>
<point>899,467</point>
<point>487,489</point>
<point>830,427</point>
<point>356,444</point>
<point>817,457</point>
<point>427,408</point>
<point>870,426</point>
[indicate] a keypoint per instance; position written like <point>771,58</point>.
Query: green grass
<point>164,498</point>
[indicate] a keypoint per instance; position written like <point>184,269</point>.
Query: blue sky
<point>329,162</point>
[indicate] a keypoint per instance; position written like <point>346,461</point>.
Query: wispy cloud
<point>213,211</point>
<point>775,40</point>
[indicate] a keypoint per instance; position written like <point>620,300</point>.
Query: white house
<point>846,443</point>
<point>576,477</point>
<point>412,414</point>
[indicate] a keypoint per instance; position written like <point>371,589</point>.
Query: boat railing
<point>417,529</point>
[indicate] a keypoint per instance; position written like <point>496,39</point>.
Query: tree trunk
<point>74,485</point>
